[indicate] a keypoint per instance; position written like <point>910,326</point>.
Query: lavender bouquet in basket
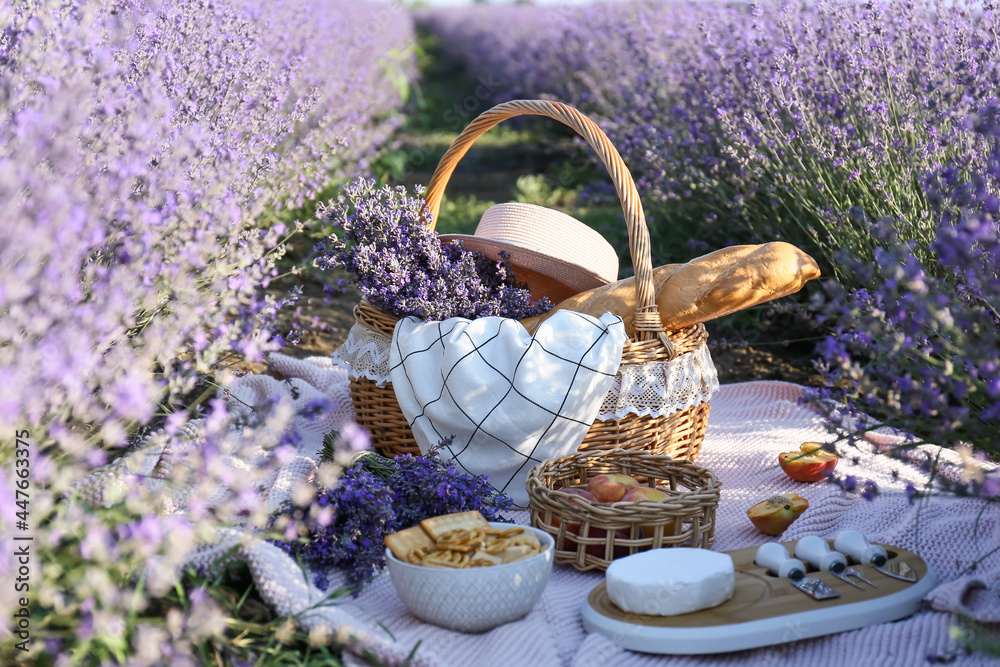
<point>401,266</point>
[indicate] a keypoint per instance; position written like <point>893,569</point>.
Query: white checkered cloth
<point>510,399</point>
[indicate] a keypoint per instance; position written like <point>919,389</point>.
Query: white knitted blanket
<point>750,423</point>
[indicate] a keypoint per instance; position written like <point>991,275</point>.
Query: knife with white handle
<point>815,551</point>
<point>857,546</point>
<point>774,557</point>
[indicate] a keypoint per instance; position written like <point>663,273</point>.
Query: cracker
<point>404,542</point>
<point>496,545</point>
<point>523,545</point>
<point>527,537</point>
<point>462,540</point>
<point>518,552</point>
<point>481,558</point>
<point>437,527</point>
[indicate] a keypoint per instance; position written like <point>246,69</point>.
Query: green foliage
<point>535,189</point>
<point>328,452</point>
<point>461,214</point>
<point>975,637</point>
<point>253,632</point>
<point>218,610</point>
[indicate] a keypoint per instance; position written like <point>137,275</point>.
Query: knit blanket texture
<point>750,424</point>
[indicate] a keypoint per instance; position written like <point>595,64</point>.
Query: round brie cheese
<point>672,581</point>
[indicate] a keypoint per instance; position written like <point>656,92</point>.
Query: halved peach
<point>774,515</point>
<point>812,463</point>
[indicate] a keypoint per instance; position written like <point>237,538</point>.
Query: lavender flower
<point>921,345</point>
<point>816,123</point>
<point>375,497</point>
<point>363,515</point>
<point>427,486</point>
<point>401,266</point>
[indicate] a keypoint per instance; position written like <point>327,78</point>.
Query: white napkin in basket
<point>510,399</point>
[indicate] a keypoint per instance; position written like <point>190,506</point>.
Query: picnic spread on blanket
<point>651,513</point>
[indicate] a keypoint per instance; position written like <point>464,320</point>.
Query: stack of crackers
<point>464,539</point>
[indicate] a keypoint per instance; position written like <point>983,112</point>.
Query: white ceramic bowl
<point>474,599</point>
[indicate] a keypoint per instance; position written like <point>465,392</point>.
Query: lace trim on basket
<point>365,354</point>
<point>661,388</point>
<point>654,389</point>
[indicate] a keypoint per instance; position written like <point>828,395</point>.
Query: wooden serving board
<point>764,610</point>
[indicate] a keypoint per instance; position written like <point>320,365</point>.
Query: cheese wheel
<point>669,582</point>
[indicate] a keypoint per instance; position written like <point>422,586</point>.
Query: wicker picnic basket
<point>679,434</point>
<point>589,536</point>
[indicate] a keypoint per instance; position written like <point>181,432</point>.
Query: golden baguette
<point>704,290</point>
<point>719,283</point>
<point>617,298</point>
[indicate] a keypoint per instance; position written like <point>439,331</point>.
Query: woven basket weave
<point>589,536</point>
<point>678,435</point>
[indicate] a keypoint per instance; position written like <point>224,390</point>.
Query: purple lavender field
<point>150,154</point>
<point>160,162</point>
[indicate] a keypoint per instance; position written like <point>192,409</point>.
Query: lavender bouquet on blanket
<point>344,526</point>
<point>400,265</point>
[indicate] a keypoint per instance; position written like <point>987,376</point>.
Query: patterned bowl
<point>474,599</point>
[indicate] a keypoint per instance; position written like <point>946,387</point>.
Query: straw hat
<point>554,254</point>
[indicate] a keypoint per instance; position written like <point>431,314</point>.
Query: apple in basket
<point>573,528</point>
<point>611,488</point>
<point>641,493</point>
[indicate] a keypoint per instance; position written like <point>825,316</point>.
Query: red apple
<point>597,550</point>
<point>611,488</point>
<point>774,515</point>
<point>812,463</point>
<point>643,493</point>
<point>573,527</point>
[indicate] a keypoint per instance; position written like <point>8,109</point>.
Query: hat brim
<point>543,274</point>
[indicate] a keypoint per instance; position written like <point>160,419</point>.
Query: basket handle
<point>647,318</point>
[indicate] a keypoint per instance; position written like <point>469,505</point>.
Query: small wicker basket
<point>679,434</point>
<point>590,535</point>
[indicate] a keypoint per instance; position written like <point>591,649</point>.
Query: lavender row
<point>864,132</point>
<point>141,145</point>
<point>802,120</point>
<point>148,150</point>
